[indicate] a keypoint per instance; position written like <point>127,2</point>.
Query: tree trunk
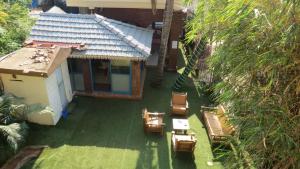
<point>167,21</point>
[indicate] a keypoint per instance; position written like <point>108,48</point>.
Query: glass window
<point>76,75</point>
<point>75,65</point>
<point>120,67</point>
<point>101,76</point>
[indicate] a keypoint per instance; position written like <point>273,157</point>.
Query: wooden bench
<point>217,124</point>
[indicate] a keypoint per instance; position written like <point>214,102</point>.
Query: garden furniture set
<point>181,140</point>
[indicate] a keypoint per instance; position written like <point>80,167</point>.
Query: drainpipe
<point>1,87</point>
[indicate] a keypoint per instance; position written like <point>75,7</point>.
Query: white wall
<point>67,82</point>
<point>40,90</point>
<point>142,4</point>
<point>53,96</point>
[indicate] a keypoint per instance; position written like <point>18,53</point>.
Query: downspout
<point>1,87</point>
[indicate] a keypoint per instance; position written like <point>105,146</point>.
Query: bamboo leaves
<point>257,61</point>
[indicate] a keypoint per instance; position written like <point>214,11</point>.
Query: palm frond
<point>14,134</point>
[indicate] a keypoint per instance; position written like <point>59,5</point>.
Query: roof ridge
<point>101,19</point>
<point>85,16</point>
<point>123,23</point>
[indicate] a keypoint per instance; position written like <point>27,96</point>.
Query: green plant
<point>15,25</point>
<point>14,135</point>
<point>13,129</point>
<point>5,116</point>
<point>257,59</point>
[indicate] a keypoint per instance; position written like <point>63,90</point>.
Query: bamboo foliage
<point>258,65</point>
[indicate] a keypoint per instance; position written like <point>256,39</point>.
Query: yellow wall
<point>32,88</point>
<point>143,4</point>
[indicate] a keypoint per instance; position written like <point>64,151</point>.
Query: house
<point>108,56</point>
<point>143,13</point>
<point>39,75</point>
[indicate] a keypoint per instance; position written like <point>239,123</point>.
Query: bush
<point>13,128</point>
<point>15,25</point>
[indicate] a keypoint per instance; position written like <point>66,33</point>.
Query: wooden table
<point>181,126</point>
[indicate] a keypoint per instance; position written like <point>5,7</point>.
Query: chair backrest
<point>185,145</point>
<point>146,116</point>
<point>220,110</point>
<point>227,127</point>
<point>179,98</point>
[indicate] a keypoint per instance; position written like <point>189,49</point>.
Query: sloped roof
<point>56,9</point>
<point>103,38</point>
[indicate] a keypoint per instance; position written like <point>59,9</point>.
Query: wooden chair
<point>179,104</point>
<point>183,143</point>
<point>217,124</point>
<point>153,122</point>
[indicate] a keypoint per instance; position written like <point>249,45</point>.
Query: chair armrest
<point>158,114</point>
<point>209,108</point>
<point>187,104</point>
<point>150,124</point>
<point>171,103</point>
<point>220,137</point>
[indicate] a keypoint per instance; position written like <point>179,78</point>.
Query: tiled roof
<point>103,38</point>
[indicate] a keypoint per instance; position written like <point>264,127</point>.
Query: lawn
<point>108,134</point>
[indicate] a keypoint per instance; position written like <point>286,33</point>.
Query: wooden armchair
<point>179,104</point>
<point>217,124</point>
<point>183,143</point>
<point>153,122</point>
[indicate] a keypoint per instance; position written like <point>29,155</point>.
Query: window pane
<point>120,69</point>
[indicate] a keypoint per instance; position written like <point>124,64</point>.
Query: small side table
<point>181,126</point>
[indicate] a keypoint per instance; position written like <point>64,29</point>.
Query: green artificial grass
<point>108,134</point>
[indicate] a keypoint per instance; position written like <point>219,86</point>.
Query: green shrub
<point>13,128</point>
<point>15,25</point>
